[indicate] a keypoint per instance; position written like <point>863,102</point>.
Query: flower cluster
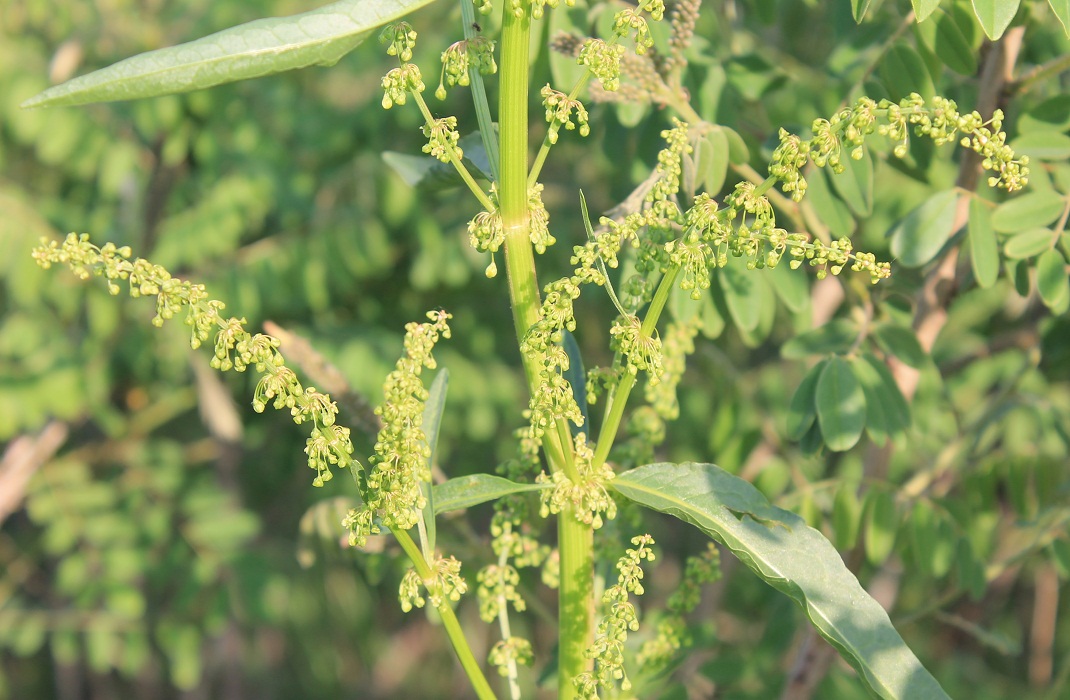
<point>497,588</point>
<point>515,650</point>
<point>682,20</point>
<point>553,397</point>
<point>620,618</point>
<point>442,137</point>
<point>235,348</point>
<point>559,111</point>
<point>392,488</point>
<point>399,82</point>
<point>459,57</point>
<point>938,120</point>
<point>399,39</point>
<point>445,583</point>
<point>603,60</point>
<point>587,497</point>
<point>677,343</point>
<point>672,634</point>
<point>670,162</point>
<point>641,350</point>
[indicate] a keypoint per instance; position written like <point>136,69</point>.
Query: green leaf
<point>738,152</point>
<point>836,336</point>
<point>946,38</point>
<point>432,421</point>
<point>467,491</point>
<point>882,523</point>
<point>1052,282</point>
<point>790,287</point>
<point>1061,8</point>
<point>1053,114</point>
<point>432,174</point>
<point>924,8</point>
<point>846,516</point>
<point>793,558</point>
<point>922,233</point>
<point>1042,145</point>
<point>576,376</point>
<point>877,420</point>
<point>717,166</point>
<point>901,342</point>
<point>995,15</point>
<point>741,295</point>
<point>832,211</point>
<point>1028,244</point>
<point>984,252</point>
<point>1037,208</point>
<point>318,37</point>
<point>859,8</point>
<point>841,405</point>
<point>801,410</point>
<point>855,184</point>
<point>896,408</point>
<point>902,71</point>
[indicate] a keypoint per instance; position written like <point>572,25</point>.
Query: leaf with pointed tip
<point>432,421</point>
<point>924,8</point>
<point>262,47</point>
<point>793,558</point>
<point>1061,8</point>
<point>467,491</point>
<point>995,15</point>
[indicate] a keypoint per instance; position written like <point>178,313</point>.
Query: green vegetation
<point>817,323</point>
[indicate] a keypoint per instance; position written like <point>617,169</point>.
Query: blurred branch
<point>24,456</point>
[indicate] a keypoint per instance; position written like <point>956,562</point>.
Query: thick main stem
<point>575,539</point>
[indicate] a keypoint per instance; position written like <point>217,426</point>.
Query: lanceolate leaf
<point>995,15</point>
<point>467,491</point>
<point>793,558</point>
<point>319,37</point>
<point>432,420</point>
<point>859,8</point>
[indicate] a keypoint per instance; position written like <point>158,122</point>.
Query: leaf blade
<point>251,50</point>
<point>793,558</point>
<point>467,491</point>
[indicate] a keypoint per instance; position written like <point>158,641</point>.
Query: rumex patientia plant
<point>582,470</point>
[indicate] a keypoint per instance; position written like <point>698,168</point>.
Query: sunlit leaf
<point>1052,282</point>
<point>1061,8</point>
<point>1037,208</point>
<point>467,491</point>
<point>924,8</point>
<point>981,239</point>
<point>922,233</point>
<point>434,408</point>
<point>859,8</point>
<point>262,47</point>
<point>1028,244</point>
<point>882,524</point>
<point>793,558</point>
<point>1042,145</point>
<point>995,15</point>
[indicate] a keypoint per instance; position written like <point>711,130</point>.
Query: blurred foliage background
<point>159,539</point>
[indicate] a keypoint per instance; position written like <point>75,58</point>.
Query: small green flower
<point>399,39</point>
<point>603,59</point>
<point>442,138</point>
<point>399,82</point>
<point>559,111</point>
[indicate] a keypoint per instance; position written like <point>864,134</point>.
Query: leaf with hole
<point>797,560</point>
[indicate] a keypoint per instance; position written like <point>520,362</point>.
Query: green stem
<point>576,540</point>
<point>449,621</point>
<point>457,164</point>
<point>618,397</point>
